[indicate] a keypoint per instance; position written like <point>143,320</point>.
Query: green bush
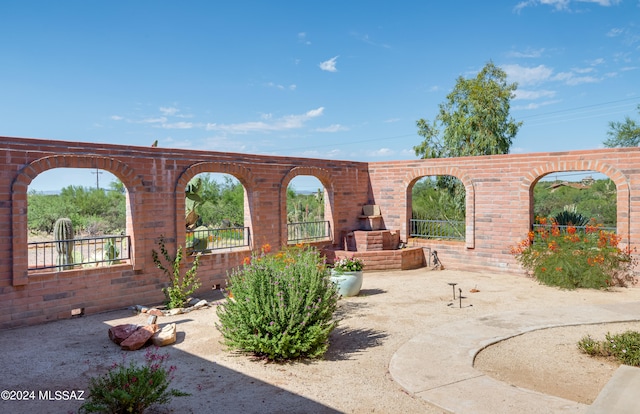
<point>132,388</point>
<point>280,306</point>
<point>573,259</point>
<point>624,347</point>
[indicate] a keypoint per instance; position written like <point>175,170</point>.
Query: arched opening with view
<point>438,208</point>
<point>577,199</point>
<point>80,224</point>
<point>215,214</point>
<point>307,206</point>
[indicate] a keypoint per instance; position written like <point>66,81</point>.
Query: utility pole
<point>97,172</point>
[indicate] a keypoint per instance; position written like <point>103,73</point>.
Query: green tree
<point>623,134</point>
<point>431,203</point>
<point>222,202</point>
<point>474,120</point>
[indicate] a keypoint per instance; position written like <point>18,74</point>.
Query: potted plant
<point>347,275</point>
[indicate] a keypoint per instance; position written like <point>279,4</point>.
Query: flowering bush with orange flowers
<point>280,306</point>
<point>571,258</point>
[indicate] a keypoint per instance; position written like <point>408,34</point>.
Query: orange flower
<point>266,248</point>
<point>571,230</point>
<point>246,261</point>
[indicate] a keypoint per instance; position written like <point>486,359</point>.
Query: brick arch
<point>19,204</point>
<point>325,178</point>
<point>240,172</point>
<point>415,174</point>
<point>623,191</point>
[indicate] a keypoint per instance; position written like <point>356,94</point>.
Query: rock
<point>165,336</point>
<point>152,319</point>
<point>155,312</point>
<point>193,301</point>
<point>174,311</point>
<point>200,304</point>
<point>119,333</point>
<point>140,337</point>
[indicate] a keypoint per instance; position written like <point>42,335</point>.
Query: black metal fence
<point>438,229</point>
<point>205,241</point>
<point>67,254</point>
<point>308,231</point>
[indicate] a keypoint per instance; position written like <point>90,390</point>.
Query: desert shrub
<point>132,388</point>
<point>181,286</point>
<point>280,306</point>
<point>589,346</point>
<point>575,259</point>
<point>624,347</point>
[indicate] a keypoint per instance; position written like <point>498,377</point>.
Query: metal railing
<point>67,254</point>
<point>205,241</point>
<point>438,229</point>
<point>308,231</point>
<point>580,229</point>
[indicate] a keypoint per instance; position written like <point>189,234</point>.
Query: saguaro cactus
<point>63,233</point>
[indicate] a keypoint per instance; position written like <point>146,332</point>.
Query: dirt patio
<point>353,377</point>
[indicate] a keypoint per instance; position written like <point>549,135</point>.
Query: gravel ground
<point>353,376</point>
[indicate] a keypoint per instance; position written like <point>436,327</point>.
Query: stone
<point>155,312</point>
<point>152,319</point>
<point>140,337</point>
<point>165,336</point>
<point>119,333</point>
<point>192,301</point>
<point>200,304</point>
<point>174,311</point>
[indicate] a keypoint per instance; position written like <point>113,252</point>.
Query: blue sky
<point>331,79</point>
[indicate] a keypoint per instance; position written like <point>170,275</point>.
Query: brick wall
<point>499,199</point>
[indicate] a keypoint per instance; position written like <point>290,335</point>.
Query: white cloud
<point>615,32</point>
<point>160,120</point>
<point>268,125</point>
<point>223,144</point>
<point>169,111</point>
<point>178,125</point>
<point>582,70</point>
<point>562,5</point>
<point>366,39</point>
<point>541,74</point>
<point>531,95</point>
<point>333,128</point>
<point>571,79</point>
<point>329,65</point>
<point>116,117</point>
<point>528,76</point>
<point>529,53</point>
<point>534,105</point>
<point>381,152</point>
<point>391,120</point>
<point>291,87</point>
<point>302,38</point>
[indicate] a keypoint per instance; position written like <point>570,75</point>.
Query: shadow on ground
<point>63,355</point>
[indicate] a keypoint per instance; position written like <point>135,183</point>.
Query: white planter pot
<point>348,283</point>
